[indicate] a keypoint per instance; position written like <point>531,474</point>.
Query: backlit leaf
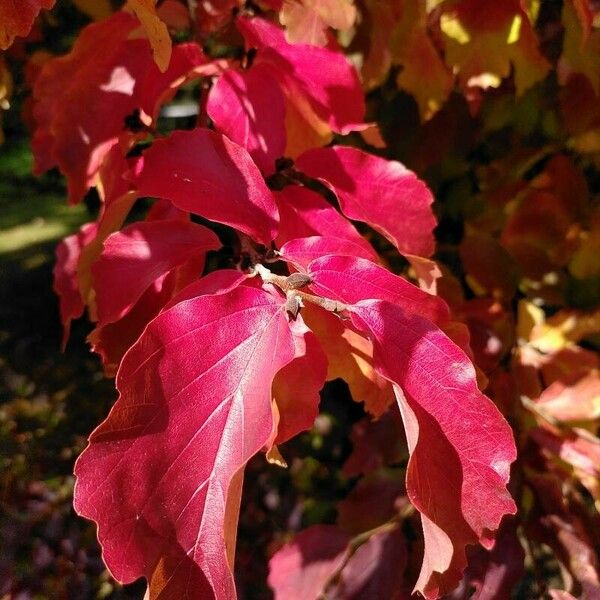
<point>194,407</point>
<point>83,98</point>
<point>202,172</point>
<point>132,259</point>
<point>382,193</point>
<point>248,107</point>
<point>156,30</point>
<point>461,447</point>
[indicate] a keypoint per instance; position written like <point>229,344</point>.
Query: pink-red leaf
<point>112,340</point>
<point>321,77</point>
<point>382,193</point>
<point>217,282</point>
<point>248,107</point>
<point>350,280</point>
<point>303,251</point>
<point>66,283</point>
<point>306,568</point>
<point>461,447</point>
<point>302,568</point>
<point>194,407</point>
<point>82,99</point>
<point>304,213</point>
<point>132,259</point>
<point>205,173</point>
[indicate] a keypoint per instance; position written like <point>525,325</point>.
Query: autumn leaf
<point>156,30</point>
<point>423,74</point>
<point>320,560</point>
<point>306,21</point>
<point>458,486</point>
<point>96,9</point>
<point>296,387</point>
<point>581,44</point>
<point>496,572</point>
<point>132,259</point>
<point>321,87</point>
<point>194,407</point>
<point>66,284</point>
<point>83,98</point>
<point>303,251</point>
<point>304,213</point>
<point>350,357</point>
<point>248,107</point>
<point>17,19</point>
<point>382,193</point>
<point>350,354</point>
<point>483,40</point>
<point>202,172</point>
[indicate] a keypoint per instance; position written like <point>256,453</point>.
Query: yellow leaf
<point>484,37</point>
<point>424,74</point>
<point>584,262</point>
<point>96,9</point>
<point>274,457</point>
<point>564,328</point>
<point>155,29</point>
<point>306,21</point>
<point>528,316</point>
<point>581,46</point>
<point>304,128</point>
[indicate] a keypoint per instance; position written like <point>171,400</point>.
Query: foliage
<point>249,258</point>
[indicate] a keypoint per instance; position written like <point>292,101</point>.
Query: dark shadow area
<point>49,402</point>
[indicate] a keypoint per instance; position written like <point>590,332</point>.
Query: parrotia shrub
<point>275,245</point>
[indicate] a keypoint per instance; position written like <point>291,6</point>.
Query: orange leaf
<point>155,29</point>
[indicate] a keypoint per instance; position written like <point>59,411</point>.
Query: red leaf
<point>83,98</point>
<point>382,193</point>
<point>461,447</point>
<point>212,15</point>
<point>66,283</point>
<point>194,407</point>
<point>132,259</point>
<point>305,568</point>
<point>321,77</point>
<point>350,280</point>
<point>112,340</point>
<point>203,172</point>
<point>217,282</point>
<point>375,570</point>
<point>493,573</point>
<point>301,568</point>
<point>117,200</point>
<point>16,19</point>
<point>248,107</point>
<point>304,213</point>
<point>303,251</point>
